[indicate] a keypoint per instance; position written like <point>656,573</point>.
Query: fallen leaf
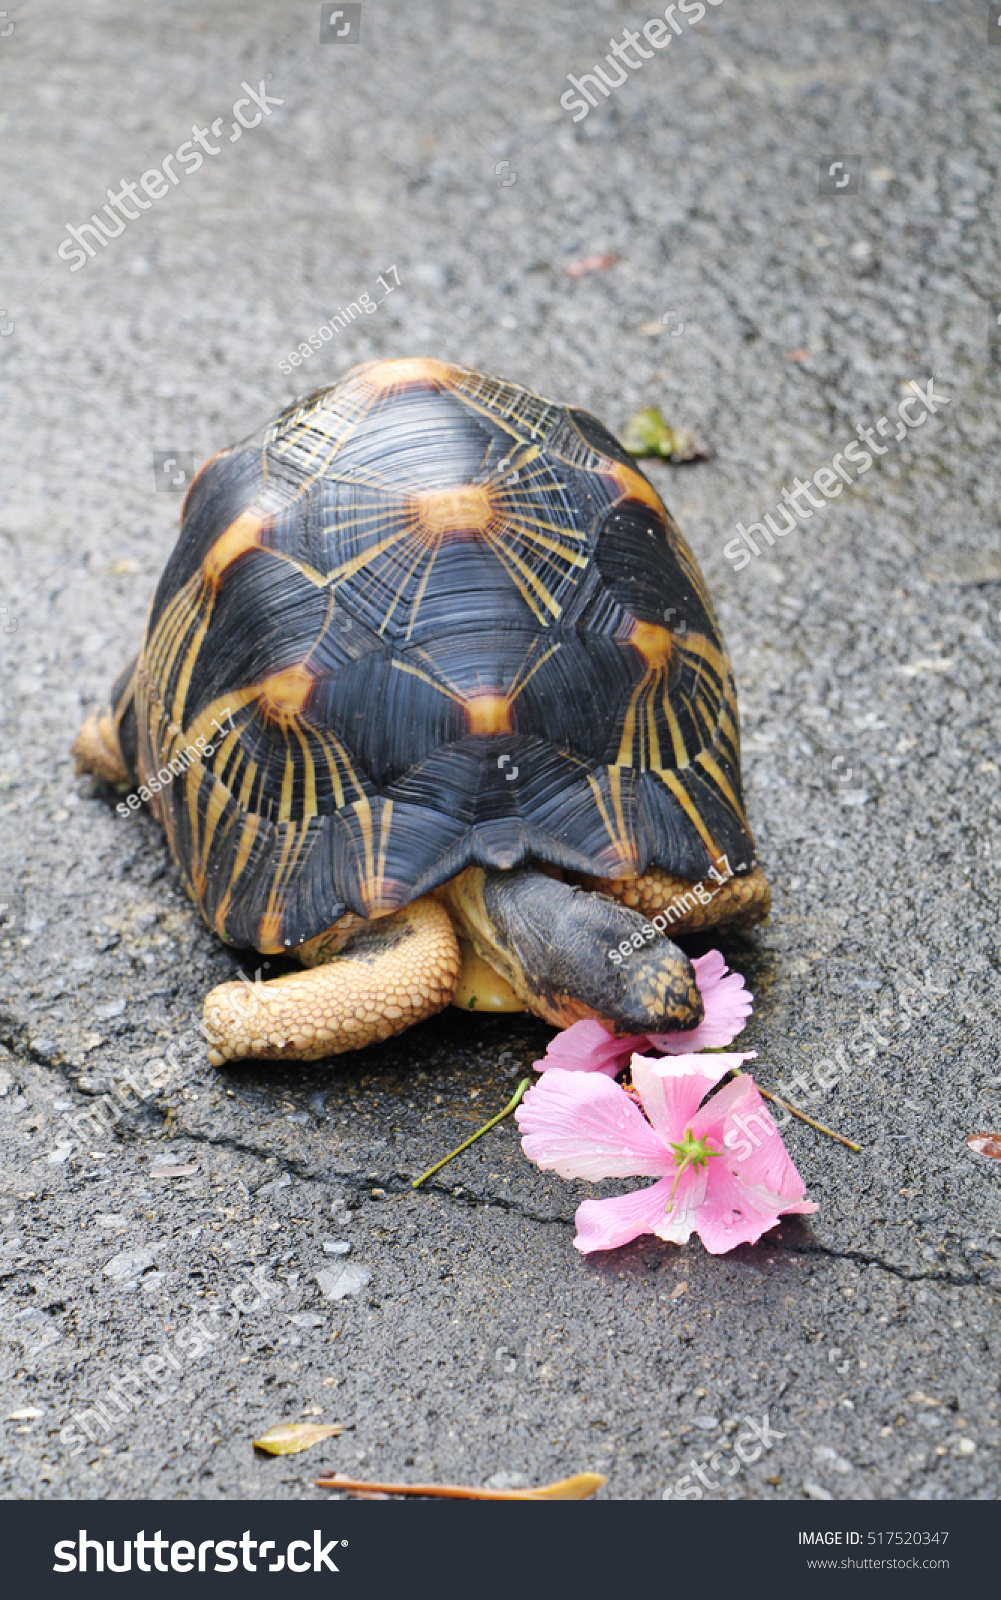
<point>647,434</point>
<point>986,1144</point>
<point>580,1487</point>
<point>914,669</point>
<point>585,264</point>
<point>967,571</point>
<point>288,1438</point>
<point>129,1264</point>
<point>341,1281</point>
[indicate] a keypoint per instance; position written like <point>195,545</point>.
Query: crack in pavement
<point>859,1256</point>
<point>400,1183</point>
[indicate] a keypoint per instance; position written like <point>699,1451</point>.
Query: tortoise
<point>432,695</point>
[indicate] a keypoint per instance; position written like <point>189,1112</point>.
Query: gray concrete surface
<point>480,1343</point>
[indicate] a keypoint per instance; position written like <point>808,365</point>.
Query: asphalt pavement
<point>800,204</point>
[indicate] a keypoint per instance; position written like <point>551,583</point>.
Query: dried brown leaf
<point>579,1487</point>
<point>986,1144</point>
<point>587,264</point>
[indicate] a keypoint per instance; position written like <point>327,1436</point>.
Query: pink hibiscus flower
<point>722,1170</point>
<point>589,1047</point>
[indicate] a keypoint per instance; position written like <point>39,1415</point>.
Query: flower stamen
<point>689,1152</point>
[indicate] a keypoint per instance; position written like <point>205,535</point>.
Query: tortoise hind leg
<point>97,750</point>
<point>392,972</point>
<point>106,744</point>
<point>682,906</point>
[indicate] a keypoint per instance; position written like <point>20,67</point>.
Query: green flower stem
<point>512,1103</point>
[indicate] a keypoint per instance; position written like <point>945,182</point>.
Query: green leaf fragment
<point>288,1438</point>
<point>647,434</point>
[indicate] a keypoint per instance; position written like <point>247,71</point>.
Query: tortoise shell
<point>425,620</point>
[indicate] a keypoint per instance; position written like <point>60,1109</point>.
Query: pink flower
<point>722,1171</point>
<point>589,1047</point>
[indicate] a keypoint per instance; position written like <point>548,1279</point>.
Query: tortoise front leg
<point>390,973</point>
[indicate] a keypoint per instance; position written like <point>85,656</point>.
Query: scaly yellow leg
<point>689,907</point>
<point>392,972</point>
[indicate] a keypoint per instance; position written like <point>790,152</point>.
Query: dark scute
<point>311,902</point>
<point>547,809</point>
<point>595,434</point>
<point>636,559</point>
<point>420,439</point>
<point>469,585</point>
<point>294,530</point>
<point>414,847</point>
<point>266,618</point>
<point>678,846</point>
<point>267,745</point>
<point>222,492</point>
<point>389,720</point>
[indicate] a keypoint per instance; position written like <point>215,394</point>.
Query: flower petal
<point>607,1224</point>
<point>582,1125</point>
<point>737,1119</point>
<point>589,1047</point>
<point>680,1221</point>
<point>673,1087</point>
<point>727,1006</point>
<point>733,1213</point>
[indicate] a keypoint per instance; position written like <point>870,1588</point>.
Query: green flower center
<point>689,1152</point>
